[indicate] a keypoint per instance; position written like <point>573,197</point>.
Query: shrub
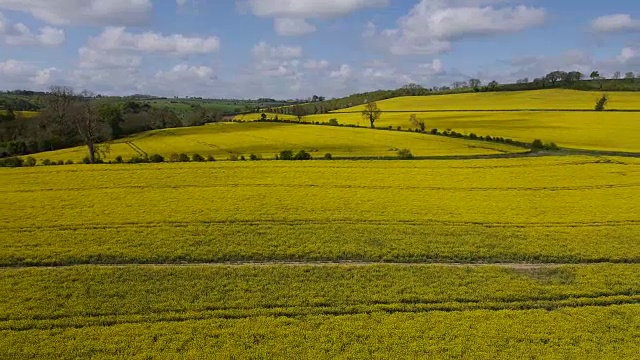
<point>156,158</point>
<point>197,158</point>
<point>551,146</point>
<point>46,162</point>
<point>11,162</point>
<point>86,160</point>
<point>399,128</point>
<point>302,155</point>
<point>69,162</point>
<point>254,157</point>
<point>137,160</point>
<point>333,122</point>
<point>233,157</point>
<point>184,158</point>
<point>30,161</point>
<point>434,131</point>
<point>405,154</point>
<point>537,144</point>
<point>286,155</point>
<point>473,136</point>
<point>174,157</point>
<point>602,103</point>
<point>242,158</point>
<point>119,159</point>
<point>211,158</point>
<point>328,156</point>
<point>60,162</point>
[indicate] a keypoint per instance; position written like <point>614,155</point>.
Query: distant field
<point>23,114</point>
<point>614,131</point>
<point>516,100</point>
<point>485,258</point>
<point>267,139</point>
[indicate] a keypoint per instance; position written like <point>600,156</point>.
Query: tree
<point>629,76</point>
<point>299,111</point>
<point>417,122</point>
<point>111,114</point>
<point>263,116</point>
<point>492,85</point>
<point>372,113</point>
<point>475,83</point>
<point>602,102</point>
<point>556,76</point>
<point>573,76</point>
<point>595,75</point>
<point>617,75</point>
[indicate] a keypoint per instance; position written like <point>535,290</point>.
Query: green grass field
<point>268,139</point>
<point>590,130</point>
<point>282,259</point>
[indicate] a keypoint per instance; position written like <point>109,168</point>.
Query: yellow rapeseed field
<point>197,259</point>
<point>267,139</point>
<point>23,114</point>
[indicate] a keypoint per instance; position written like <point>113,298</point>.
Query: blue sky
<point>297,48</point>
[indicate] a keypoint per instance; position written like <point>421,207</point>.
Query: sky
<point>298,48</point>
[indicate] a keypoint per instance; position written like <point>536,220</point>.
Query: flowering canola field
<point>225,259</point>
<point>590,130</point>
<point>268,139</point>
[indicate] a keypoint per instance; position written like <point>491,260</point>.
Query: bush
<point>46,162</point>
<point>302,155</point>
<point>211,158</point>
<point>174,157</point>
<point>30,161</point>
<point>328,156</point>
<point>242,158</point>
<point>11,162</point>
<point>86,160</point>
<point>473,136</point>
<point>119,159</point>
<point>60,162</point>
<point>183,158</point>
<point>551,147</point>
<point>405,154</point>
<point>537,144</point>
<point>434,131</point>
<point>602,103</point>
<point>69,162</point>
<point>334,122</point>
<point>233,157</point>
<point>156,158</point>
<point>137,160</point>
<point>286,155</point>
<point>399,128</point>
<point>197,158</point>
<point>254,157</point>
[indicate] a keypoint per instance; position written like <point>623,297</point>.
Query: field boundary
<point>485,110</point>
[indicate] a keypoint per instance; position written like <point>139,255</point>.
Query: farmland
<point>267,139</point>
<point>612,131</point>
<point>322,259</point>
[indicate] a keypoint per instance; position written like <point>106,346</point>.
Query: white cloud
<point>291,15</point>
<point>94,59</point>
<point>262,50</point>
<point>44,77</point>
<point>84,12</point>
<point>306,9</point>
<point>342,74</point>
<point>184,72</point>
<point>615,23</point>
<point>435,67</point>
<point>20,34</point>
<point>627,54</point>
<point>316,64</point>
<point>432,26</point>
<point>14,75</point>
<point>293,27</point>
<point>118,39</point>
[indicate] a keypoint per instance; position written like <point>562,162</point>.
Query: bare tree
<point>415,121</point>
<point>475,83</point>
<point>76,113</point>
<point>617,75</point>
<point>372,113</point>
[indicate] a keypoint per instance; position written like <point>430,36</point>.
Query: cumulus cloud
<point>118,39</point>
<point>20,34</point>
<point>342,74</point>
<point>293,27</point>
<point>615,23</point>
<point>262,50</point>
<point>84,12</point>
<point>15,73</point>
<point>291,15</point>
<point>94,59</point>
<point>432,26</point>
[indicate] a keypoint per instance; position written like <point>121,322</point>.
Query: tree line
<point>70,119</point>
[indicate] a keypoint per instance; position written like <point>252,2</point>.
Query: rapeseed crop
<point>267,139</point>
